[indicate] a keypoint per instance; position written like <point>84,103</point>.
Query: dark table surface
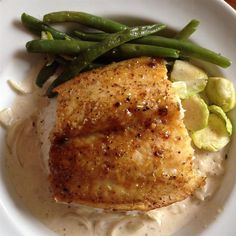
<point>232,3</point>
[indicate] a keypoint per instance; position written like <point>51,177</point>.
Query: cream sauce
<point>27,140</point>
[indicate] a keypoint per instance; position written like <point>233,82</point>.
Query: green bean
<point>74,47</point>
<point>85,19</point>
<point>48,70</point>
<point>184,34</point>
<point>186,48</point>
<point>45,73</point>
<point>126,51</point>
<point>65,62</point>
<point>37,26</point>
<point>90,36</point>
<point>68,47</point>
<point>90,54</point>
<point>188,30</point>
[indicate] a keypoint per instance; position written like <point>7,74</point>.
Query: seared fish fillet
<point>119,141</point>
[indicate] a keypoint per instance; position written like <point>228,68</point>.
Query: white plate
<point>217,32</point>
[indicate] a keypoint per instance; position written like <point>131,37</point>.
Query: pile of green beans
<point>109,43</point>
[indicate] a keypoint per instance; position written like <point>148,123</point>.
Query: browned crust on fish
<point>119,141</point>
